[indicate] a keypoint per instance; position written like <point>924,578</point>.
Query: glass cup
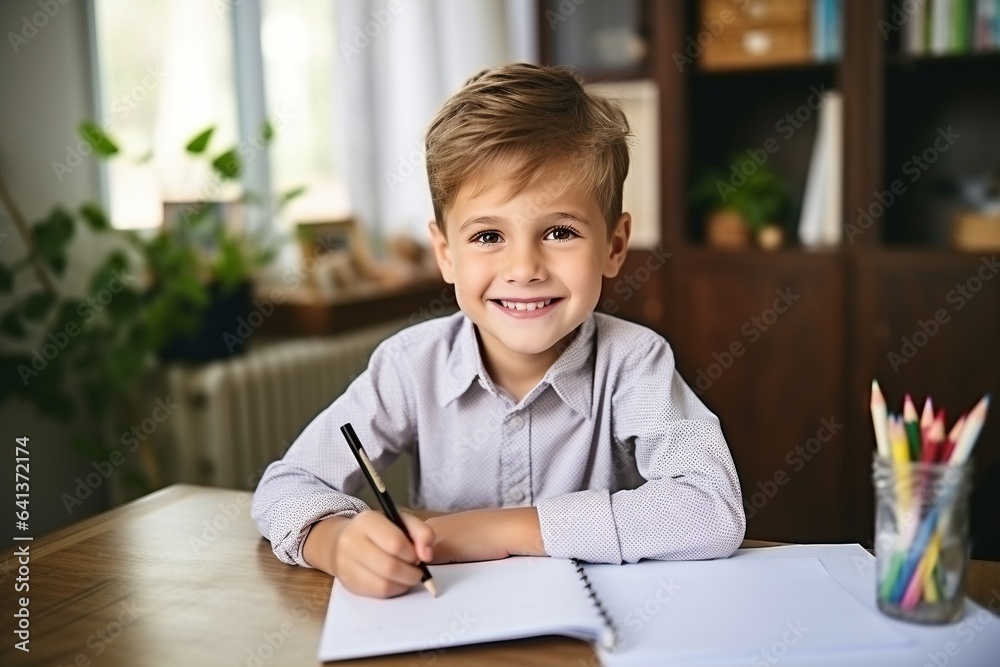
<point>921,539</point>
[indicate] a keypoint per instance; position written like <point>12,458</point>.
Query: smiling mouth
<point>529,305</point>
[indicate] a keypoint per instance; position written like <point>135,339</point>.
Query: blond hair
<point>525,118</point>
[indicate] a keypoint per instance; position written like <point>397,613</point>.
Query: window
<point>299,46</point>
<point>167,71</point>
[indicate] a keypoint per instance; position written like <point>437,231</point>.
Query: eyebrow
<point>496,221</point>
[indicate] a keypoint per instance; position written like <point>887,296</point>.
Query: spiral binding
<point>610,638</point>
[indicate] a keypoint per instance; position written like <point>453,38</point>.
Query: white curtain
<point>395,69</point>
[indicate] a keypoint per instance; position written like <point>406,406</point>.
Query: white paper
<point>740,610</point>
<point>511,598</point>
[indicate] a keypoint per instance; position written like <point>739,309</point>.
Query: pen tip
<point>429,585</point>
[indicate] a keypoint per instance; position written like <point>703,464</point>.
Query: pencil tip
<point>429,585</point>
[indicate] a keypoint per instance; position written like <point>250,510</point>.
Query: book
<point>651,612</point>
<point>820,220</point>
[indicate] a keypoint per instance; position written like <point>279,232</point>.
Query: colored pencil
<point>900,457</point>
<point>880,422</point>
<point>926,417</point>
<point>973,425</point>
<point>912,428</point>
<point>933,440</point>
<point>953,435</point>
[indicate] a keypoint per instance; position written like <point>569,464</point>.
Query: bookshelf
<point>858,300</point>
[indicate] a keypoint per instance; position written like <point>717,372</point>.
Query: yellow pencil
<point>900,459</point>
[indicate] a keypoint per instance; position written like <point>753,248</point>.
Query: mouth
<point>526,308</point>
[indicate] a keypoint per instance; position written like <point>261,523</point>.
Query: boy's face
<point>547,242</point>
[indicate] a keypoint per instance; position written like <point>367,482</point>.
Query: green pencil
<point>912,428</point>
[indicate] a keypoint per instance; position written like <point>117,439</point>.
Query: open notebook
<point>729,610</point>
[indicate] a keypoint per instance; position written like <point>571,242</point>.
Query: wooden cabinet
<point>858,303</point>
<point>928,322</point>
<point>737,316</point>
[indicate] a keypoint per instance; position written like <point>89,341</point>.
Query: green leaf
<point>6,279</point>
<point>11,325</point>
<point>198,145</point>
<point>267,132</point>
<point>109,277</point>
<point>94,216</point>
<point>11,381</point>
<point>97,397</point>
<point>70,311</point>
<point>52,237</point>
<point>124,306</point>
<point>126,363</point>
<point>288,195</point>
<point>38,305</point>
<point>97,138</point>
<point>228,164</point>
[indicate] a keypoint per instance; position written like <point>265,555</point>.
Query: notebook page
<point>735,609</point>
<point>477,602</point>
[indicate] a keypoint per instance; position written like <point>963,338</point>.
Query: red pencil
<point>953,435</point>
<point>933,439</point>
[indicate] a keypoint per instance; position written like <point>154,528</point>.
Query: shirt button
<point>516,495</point>
<point>516,422</point>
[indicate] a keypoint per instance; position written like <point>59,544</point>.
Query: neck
<point>519,373</point>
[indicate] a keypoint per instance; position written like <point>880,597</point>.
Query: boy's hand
<point>488,534</point>
<point>368,553</point>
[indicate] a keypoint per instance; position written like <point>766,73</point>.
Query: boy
<point>539,426</point>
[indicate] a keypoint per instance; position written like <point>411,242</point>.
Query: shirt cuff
<point>289,549</point>
<point>580,525</point>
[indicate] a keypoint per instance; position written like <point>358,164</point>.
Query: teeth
<point>518,305</point>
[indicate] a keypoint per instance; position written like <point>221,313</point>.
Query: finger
<point>387,566</point>
<point>423,537</point>
<point>362,581</point>
<point>392,540</point>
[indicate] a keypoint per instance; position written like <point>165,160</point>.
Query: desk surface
<point>181,577</point>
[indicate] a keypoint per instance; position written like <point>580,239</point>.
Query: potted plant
<point>151,297</point>
<point>754,206</point>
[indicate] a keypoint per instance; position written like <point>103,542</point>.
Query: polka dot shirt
<point>618,455</point>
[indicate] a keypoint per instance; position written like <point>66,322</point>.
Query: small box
<point>972,231</point>
<point>738,34</point>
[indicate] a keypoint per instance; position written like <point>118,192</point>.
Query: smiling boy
<point>536,426</point>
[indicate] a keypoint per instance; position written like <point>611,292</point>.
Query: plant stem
<point>29,242</point>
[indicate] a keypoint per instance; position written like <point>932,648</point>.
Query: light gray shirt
<point>618,455</point>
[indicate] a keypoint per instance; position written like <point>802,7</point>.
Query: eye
<point>562,233</point>
<point>486,238</point>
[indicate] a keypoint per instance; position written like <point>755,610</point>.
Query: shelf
<point>905,62</point>
<point>779,68</point>
<point>307,313</point>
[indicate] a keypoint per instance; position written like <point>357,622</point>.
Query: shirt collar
<point>571,375</point>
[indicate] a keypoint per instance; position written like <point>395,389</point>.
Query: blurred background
<point>213,210</point>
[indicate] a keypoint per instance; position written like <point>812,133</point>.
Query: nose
<point>525,264</point>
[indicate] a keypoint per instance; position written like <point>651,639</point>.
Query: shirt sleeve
<point>690,506</point>
<point>318,476</point>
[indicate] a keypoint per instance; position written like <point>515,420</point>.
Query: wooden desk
<point>182,578</point>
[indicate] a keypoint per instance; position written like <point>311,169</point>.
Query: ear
<point>442,253</point>
<point>618,245</point>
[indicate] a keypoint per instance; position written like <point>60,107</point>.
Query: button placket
<point>517,468</point>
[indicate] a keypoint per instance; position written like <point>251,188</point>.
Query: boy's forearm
<point>525,531</point>
<point>318,548</point>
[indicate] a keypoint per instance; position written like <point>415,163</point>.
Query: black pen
<point>383,496</point>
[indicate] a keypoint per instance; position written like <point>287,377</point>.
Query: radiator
<point>238,415</point>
